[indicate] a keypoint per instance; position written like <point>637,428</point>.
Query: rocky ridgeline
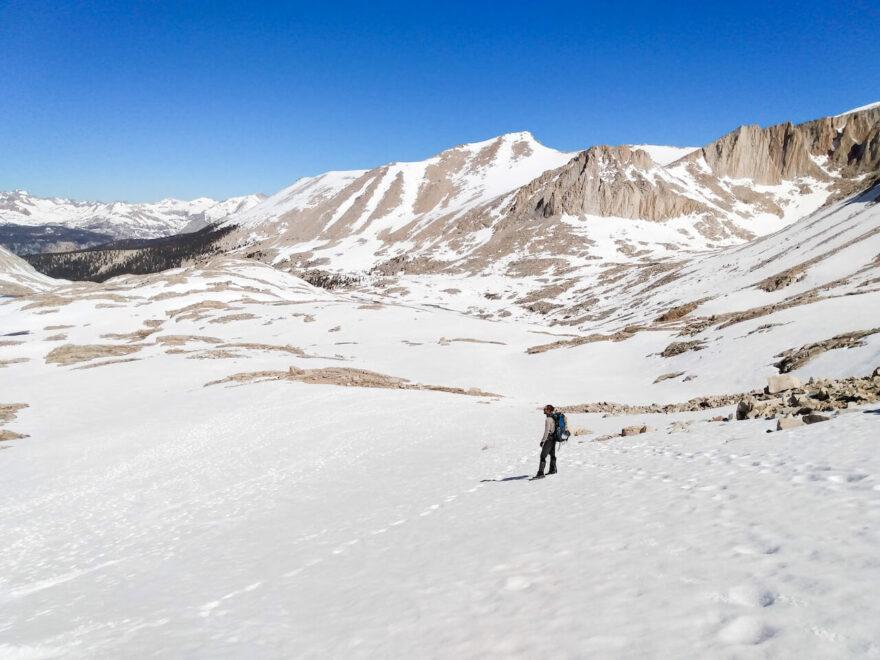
<point>785,398</point>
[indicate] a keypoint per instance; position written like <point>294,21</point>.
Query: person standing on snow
<point>548,442</point>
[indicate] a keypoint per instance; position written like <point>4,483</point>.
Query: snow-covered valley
<point>223,460</point>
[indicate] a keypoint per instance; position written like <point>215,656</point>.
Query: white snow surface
<point>861,108</point>
<point>662,154</point>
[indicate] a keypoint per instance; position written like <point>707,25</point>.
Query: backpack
<point>562,432</point>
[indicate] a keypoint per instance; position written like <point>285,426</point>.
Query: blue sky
<point>150,99</point>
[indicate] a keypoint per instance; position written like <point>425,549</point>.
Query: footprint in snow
<point>516,583</point>
<point>750,595</point>
<point>757,547</point>
<point>745,630</point>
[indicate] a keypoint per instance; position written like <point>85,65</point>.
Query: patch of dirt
<point>293,350</point>
<point>244,316</point>
<point>137,335</point>
<point>6,363</point>
<point>47,300</point>
<point>153,323</point>
<point>8,411</point>
<point>797,357</point>
<point>214,354</point>
<point>10,342</point>
<point>73,353</point>
<point>197,307</point>
<point>621,335</point>
<point>60,337</point>
<point>107,362</point>
<point>372,306</point>
<point>10,435</point>
<point>344,377</point>
<point>57,327</point>
<point>180,340</point>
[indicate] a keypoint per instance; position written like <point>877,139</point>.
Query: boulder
<point>788,423</point>
<point>783,382</point>
<point>636,430</point>
<point>744,408</point>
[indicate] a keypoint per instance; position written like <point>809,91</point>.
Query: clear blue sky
<point>139,100</point>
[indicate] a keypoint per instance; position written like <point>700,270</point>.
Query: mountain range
<point>30,224</point>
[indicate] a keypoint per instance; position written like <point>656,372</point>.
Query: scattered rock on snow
<point>784,423</point>
<point>636,430</point>
<point>795,358</point>
<point>677,347</point>
<point>674,374</point>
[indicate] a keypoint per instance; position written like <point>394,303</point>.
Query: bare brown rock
<point>663,377</point>
<point>678,347</point>
<point>796,358</point>
<point>781,280</point>
<point>680,311</point>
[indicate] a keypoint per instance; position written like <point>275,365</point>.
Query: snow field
<point>298,520</point>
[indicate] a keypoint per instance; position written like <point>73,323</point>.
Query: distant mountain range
<point>30,224</point>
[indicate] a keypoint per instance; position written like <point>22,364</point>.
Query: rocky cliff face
<point>607,181</point>
<point>850,144</point>
<point>718,182</point>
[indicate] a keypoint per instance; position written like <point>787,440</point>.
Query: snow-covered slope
<point>368,216</point>
<point>113,220</point>
<point>18,277</point>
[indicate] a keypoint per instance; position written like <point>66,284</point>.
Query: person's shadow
<point>520,477</point>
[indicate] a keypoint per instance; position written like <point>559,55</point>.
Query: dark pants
<point>549,449</point>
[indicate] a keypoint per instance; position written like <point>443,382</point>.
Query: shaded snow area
<point>205,475</point>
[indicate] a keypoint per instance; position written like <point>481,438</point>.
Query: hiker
<point>548,442</point>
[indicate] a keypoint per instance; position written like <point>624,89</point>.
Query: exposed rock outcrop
<point>818,395</point>
<point>795,358</point>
